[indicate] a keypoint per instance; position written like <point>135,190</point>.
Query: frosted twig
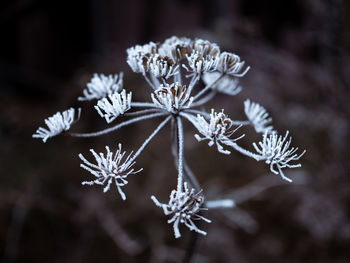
<point>118,126</point>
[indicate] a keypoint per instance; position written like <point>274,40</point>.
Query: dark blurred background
<point>299,54</point>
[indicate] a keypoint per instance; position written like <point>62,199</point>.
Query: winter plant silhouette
<point>173,70</point>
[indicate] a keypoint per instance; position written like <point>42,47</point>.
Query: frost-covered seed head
<point>176,48</point>
<point>109,168</point>
<point>116,104</point>
<point>59,122</point>
<point>138,56</point>
<point>258,117</point>
<point>101,85</point>
<point>206,48</point>
<point>200,64</point>
<point>275,150</point>
<point>162,66</point>
<point>185,206</point>
<point>217,131</point>
<point>172,97</point>
<point>231,64</point>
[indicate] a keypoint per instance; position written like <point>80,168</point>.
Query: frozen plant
<point>174,70</point>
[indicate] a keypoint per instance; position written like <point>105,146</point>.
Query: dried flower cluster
<point>173,70</point>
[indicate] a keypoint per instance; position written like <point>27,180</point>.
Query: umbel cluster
<point>173,69</point>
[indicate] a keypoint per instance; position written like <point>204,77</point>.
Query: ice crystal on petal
<point>184,206</point>
<point>109,168</point>
<point>258,117</point>
<point>225,85</point>
<point>172,97</point>
<point>275,150</point>
<point>116,104</point>
<point>57,123</point>
<point>217,131</point>
<point>100,86</point>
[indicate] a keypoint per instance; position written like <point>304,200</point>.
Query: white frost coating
<point>274,150</point>
<point>176,48</point>
<point>218,130</point>
<point>231,64</point>
<point>223,203</point>
<point>199,63</point>
<point>116,104</point>
<point>109,168</point>
<point>206,48</point>
<point>184,206</point>
<point>172,97</point>
<point>138,57</point>
<point>162,66</point>
<point>258,117</point>
<point>101,85</point>
<point>57,123</point>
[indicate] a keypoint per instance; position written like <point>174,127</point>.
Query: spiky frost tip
<point>110,168</point>
<point>101,85</point>
<point>59,122</point>
<point>184,206</point>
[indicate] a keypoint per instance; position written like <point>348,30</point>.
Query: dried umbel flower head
<point>258,117</point>
<point>59,122</point>
<point>231,64</point>
<point>184,206</point>
<point>176,48</point>
<point>275,151</point>
<point>161,66</point>
<point>110,168</point>
<point>175,98</point>
<point>138,56</point>
<point>101,85</point>
<point>200,64</point>
<point>116,104</point>
<point>218,130</point>
<point>172,97</point>
<point>206,48</point>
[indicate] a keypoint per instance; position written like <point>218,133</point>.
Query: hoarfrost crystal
<point>172,98</point>
<point>176,48</point>
<point>162,66</point>
<point>231,64</point>
<point>109,168</point>
<point>184,206</point>
<point>138,57</point>
<point>116,104</point>
<point>274,150</point>
<point>217,131</point>
<point>57,123</point>
<point>258,117</point>
<point>100,86</point>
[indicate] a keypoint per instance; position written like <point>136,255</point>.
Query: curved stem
<point>118,126</point>
<point>242,150</point>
